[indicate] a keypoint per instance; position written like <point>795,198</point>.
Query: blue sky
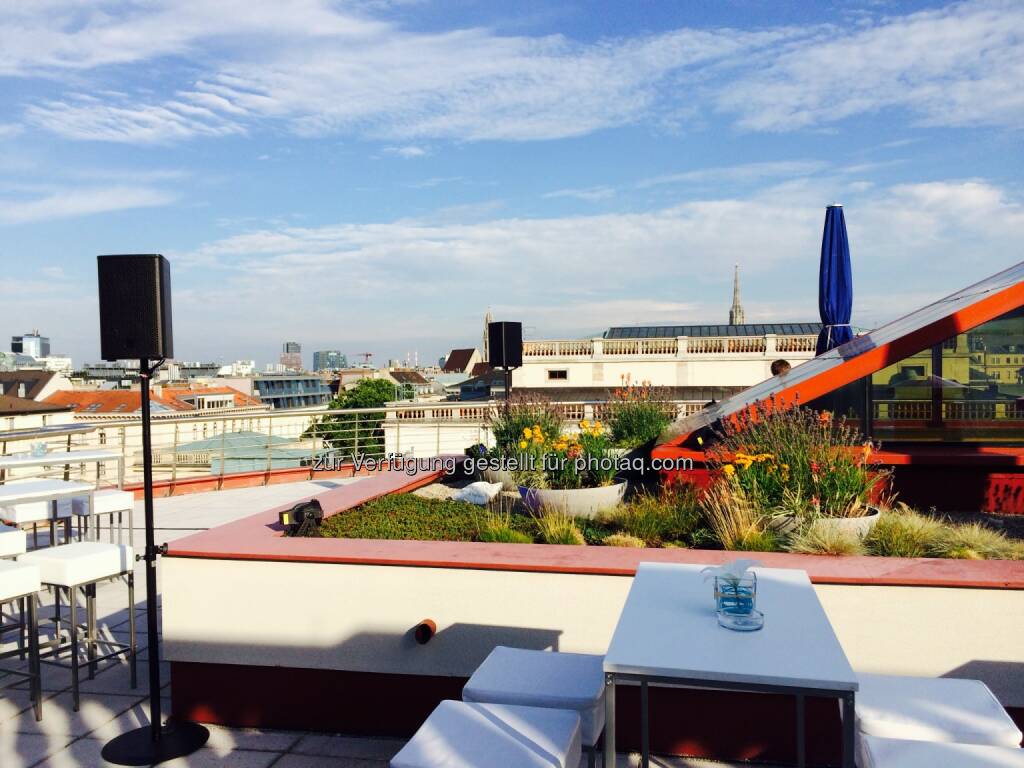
<point>372,175</point>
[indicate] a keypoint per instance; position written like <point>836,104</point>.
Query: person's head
<point>780,366</point>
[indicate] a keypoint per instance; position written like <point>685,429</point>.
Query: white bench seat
<point>902,753</point>
<point>35,512</point>
<point>17,580</point>
<point>81,563</point>
<point>933,709</point>
<point>531,678</point>
<point>464,735</point>
<point>12,541</point>
<point>105,501</point>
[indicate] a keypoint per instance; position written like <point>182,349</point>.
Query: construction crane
<point>367,356</point>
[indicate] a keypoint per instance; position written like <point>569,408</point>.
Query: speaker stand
<point>155,743</point>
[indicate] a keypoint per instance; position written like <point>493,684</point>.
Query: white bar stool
<point>82,566</point>
<point>573,681</point>
<point>12,544</point>
<point>106,501</point>
<point>467,735</point>
<point>933,709</point>
<point>20,583</point>
<point>35,512</point>
<point>876,752</point>
<point>12,541</point>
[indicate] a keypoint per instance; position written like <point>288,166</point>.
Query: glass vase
<point>736,597</point>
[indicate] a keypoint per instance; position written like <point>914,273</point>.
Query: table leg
<point>645,728</point>
<point>801,731</point>
<point>609,721</point>
<point>33,658</point>
<point>849,726</point>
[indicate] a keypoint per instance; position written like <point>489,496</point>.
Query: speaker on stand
<point>135,323</point>
<point>505,346</point>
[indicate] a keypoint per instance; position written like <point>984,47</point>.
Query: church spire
<point>488,319</point>
<point>736,311</point>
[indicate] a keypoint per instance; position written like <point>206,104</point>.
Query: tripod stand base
<point>138,748</point>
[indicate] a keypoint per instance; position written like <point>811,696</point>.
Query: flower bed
<point>673,518</point>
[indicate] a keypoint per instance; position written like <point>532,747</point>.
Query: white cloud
<point>961,65</point>
<point>573,275</point>
<point>81,201</point>
<point>407,152</point>
<point>745,172</point>
<point>589,194</point>
<point>326,71</point>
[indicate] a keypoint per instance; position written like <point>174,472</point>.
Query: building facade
<point>291,356</point>
<point>329,360</point>
<point>666,356</point>
<point>31,344</point>
<point>291,390</point>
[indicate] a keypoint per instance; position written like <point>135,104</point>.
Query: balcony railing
<point>679,347</point>
<point>224,444</point>
<point>954,410</point>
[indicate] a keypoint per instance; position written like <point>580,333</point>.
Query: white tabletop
<point>42,490</point>
<point>668,628</point>
<point>12,461</point>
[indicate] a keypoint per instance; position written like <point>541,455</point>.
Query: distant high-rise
<point>329,360</point>
<point>291,355</point>
<point>31,344</point>
<point>736,311</point>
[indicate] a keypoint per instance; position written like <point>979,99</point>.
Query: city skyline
<point>573,168</point>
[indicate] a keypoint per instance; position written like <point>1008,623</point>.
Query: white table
<point>95,456</point>
<point>668,634</point>
<point>47,490</point>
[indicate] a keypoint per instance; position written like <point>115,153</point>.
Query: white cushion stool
<point>80,566</point>
<point>12,541</point>
<point>35,512</point>
<point>463,735</point>
<point>876,752</point>
<point>544,679</point>
<point>106,501</point>
<point>19,583</point>
<point>933,709</point>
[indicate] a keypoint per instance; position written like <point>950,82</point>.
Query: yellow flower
<point>729,470</point>
<point>585,424</point>
<point>527,433</point>
<point>523,444</point>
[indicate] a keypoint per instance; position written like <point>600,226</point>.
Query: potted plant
<point>799,468</point>
<point>570,472</point>
<point>636,416</point>
<point>507,426</point>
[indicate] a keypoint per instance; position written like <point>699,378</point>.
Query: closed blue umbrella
<point>835,282</point>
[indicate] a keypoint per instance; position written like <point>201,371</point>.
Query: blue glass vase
<point>736,597</point>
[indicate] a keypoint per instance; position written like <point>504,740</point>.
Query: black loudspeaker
<point>135,307</point>
<point>505,345</point>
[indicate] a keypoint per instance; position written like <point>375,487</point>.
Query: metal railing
<point>223,444</point>
<point>678,347</point>
<point>952,410</point>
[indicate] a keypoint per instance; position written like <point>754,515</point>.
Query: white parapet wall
<point>358,617</point>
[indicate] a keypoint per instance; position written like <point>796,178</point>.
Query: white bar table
<point>86,456</point>
<point>668,634</point>
<point>48,490</point>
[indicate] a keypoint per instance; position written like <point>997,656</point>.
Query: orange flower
<point>824,417</point>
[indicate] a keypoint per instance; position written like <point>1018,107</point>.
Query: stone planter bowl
<point>852,526</point>
<point>576,502</point>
